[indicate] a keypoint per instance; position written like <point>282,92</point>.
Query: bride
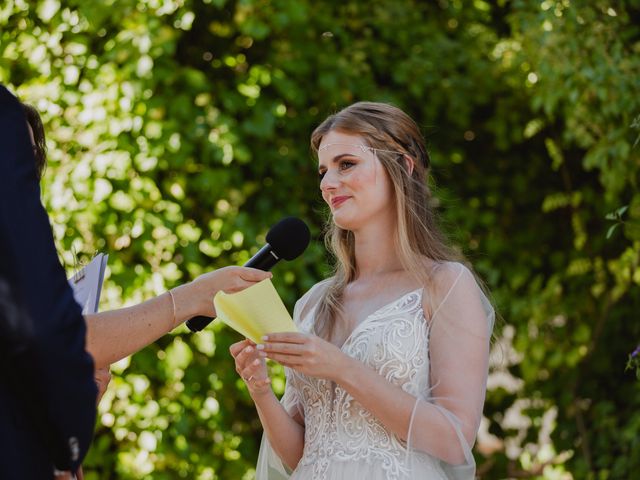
<point>386,377</point>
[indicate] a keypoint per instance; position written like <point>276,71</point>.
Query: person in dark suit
<point>115,334</point>
<point>47,353</point>
<point>47,391</point>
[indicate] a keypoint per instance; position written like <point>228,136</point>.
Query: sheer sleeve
<point>269,466</point>
<point>446,417</point>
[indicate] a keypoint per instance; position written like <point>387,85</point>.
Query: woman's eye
<point>346,164</point>
<point>342,166</point>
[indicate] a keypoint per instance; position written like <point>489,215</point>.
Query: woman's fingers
<point>255,375</point>
<point>286,337</point>
<point>246,277</point>
<point>243,358</point>
<point>291,361</point>
<point>253,275</point>
<point>238,347</point>
<point>286,348</point>
<point>256,369</point>
<point>102,377</point>
<point>251,366</point>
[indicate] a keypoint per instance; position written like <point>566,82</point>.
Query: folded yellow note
<point>255,311</point>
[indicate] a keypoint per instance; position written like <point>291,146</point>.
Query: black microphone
<point>286,240</point>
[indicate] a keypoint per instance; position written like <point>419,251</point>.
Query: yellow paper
<point>255,311</point>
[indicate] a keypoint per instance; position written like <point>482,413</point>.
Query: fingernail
<point>263,354</point>
<point>248,349</point>
<point>260,346</point>
<point>265,338</point>
<point>256,362</point>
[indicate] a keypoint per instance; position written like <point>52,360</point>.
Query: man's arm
<point>47,364</point>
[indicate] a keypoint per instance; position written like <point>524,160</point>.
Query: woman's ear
<point>409,163</point>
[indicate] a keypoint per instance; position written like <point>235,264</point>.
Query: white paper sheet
<point>87,283</point>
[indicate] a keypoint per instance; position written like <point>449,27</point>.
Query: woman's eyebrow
<point>337,158</point>
<point>340,156</point>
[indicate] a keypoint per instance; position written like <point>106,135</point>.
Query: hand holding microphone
<point>286,240</point>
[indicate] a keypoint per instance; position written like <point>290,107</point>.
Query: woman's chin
<point>341,222</point>
<point>344,222</point>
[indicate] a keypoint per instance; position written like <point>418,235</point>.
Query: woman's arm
<point>115,334</point>
<point>284,431</point>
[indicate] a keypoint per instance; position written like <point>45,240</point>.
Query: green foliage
<point>178,132</point>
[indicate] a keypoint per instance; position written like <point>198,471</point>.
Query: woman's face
<point>353,181</point>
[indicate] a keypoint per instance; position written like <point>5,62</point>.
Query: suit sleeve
<point>43,355</point>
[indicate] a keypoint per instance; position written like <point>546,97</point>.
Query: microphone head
<point>289,237</point>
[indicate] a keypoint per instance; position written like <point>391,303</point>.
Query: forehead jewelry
<point>362,147</point>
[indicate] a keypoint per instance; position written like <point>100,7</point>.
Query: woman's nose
<point>329,181</point>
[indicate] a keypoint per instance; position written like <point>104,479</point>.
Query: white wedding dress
<point>345,441</point>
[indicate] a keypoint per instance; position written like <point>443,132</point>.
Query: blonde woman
<point>387,377</point>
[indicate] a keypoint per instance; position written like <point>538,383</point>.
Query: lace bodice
<point>393,341</point>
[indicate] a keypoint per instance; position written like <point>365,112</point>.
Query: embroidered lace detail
<point>393,341</point>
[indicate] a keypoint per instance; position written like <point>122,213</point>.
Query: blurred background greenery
<point>178,133</point>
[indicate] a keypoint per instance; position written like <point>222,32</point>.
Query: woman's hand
<point>196,297</point>
<point>305,353</point>
<point>251,367</point>
<point>102,377</point>
<point>58,475</point>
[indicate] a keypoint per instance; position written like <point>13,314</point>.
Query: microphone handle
<point>264,260</point>
<point>196,324</point>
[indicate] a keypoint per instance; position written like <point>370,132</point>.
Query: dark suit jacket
<point>47,392</point>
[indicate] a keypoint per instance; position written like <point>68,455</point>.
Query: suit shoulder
<point>8,99</point>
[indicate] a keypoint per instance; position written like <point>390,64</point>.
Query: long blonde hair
<point>417,234</point>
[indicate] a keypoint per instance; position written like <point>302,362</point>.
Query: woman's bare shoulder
<point>311,297</point>
<point>442,278</point>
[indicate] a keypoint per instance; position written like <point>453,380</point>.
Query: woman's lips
<point>337,201</point>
